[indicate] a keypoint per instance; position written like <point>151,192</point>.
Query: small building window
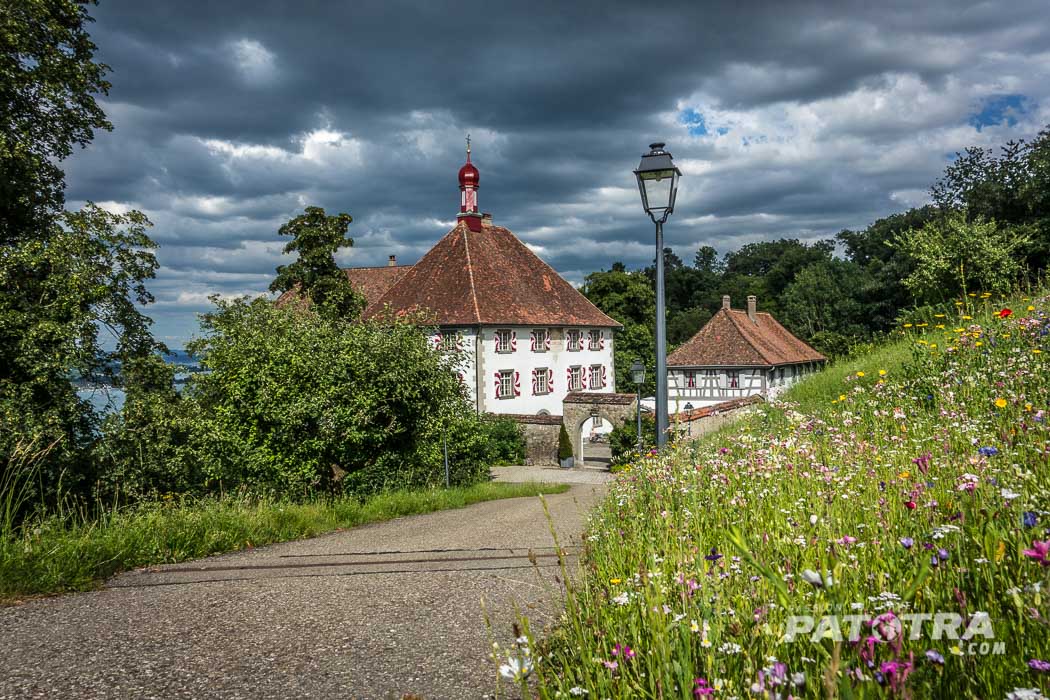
<point>506,384</point>
<point>690,379</point>
<point>597,378</point>
<point>503,339</point>
<point>541,381</point>
<point>573,340</point>
<point>595,340</point>
<point>576,378</point>
<point>449,341</point>
<point>540,340</point>
<point>733,378</point>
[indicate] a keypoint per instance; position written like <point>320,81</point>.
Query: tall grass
<point>915,480</point>
<point>70,552</point>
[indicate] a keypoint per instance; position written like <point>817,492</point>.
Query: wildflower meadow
<point>883,529</point>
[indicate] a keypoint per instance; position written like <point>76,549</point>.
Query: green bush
<point>564,444</point>
<point>294,403</point>
<point>506,440</point>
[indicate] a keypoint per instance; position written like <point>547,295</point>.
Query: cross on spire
<point>468,148</point>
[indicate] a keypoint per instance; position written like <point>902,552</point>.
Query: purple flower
<point>935,656</point>
<point>934,561</point>
<point>1029,519</point>
<point>701,688</point>
<point>988,451</point>
<point>907,542</point>
<point>923,463</point>
<point>943,554</point>
<point>714,555</point>
<point>1039,665</point>
<point>1040,551</point>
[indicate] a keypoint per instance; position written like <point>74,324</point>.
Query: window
<point>733,379</point>
<point>541,340</point>
<point>573,340</point>
<point>595,340</point>
<point>503,341</point>
<point>506,384</point>
<point>597,377</point>
<point>541,381</point>
<point>576,378</point>
<point>690,379</point>
<point>449,340</point>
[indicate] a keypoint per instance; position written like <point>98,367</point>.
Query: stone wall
<point>541,438</point>
<point>702,421</point>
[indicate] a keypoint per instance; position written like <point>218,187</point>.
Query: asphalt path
<point>388,610</point>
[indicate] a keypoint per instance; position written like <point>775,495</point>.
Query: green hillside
<point>899,500</point>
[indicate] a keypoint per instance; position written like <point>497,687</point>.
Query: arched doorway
<point>580,408</point>
<point>594,442</point>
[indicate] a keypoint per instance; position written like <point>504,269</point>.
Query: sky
<point>787,119</point>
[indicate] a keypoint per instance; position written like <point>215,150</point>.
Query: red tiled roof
<point>487,277</point>
<point>731,339</point>
<point>370,282</point>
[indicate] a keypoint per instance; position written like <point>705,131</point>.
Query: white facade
<point>530,369</point>
<point>706,386</point>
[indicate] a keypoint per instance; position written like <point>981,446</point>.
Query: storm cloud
<point>787,119</point>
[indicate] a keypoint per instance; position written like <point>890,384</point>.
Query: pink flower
<point>1040,551</point>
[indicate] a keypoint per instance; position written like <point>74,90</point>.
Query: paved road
<point>379,611</point>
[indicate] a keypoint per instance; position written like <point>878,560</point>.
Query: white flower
<point>1025,694</point>
<point>516,669</point>
<point>1009,495</point>
<point>813,520</point>
<point>621,599</point>
<point>577,691</point>
<point>813,578</point>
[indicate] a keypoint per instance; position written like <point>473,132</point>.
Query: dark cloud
<point>231,117</point>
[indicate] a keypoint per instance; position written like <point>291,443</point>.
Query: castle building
<point>735,355</point>
<point>527,337</point>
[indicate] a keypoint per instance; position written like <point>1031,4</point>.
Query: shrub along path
<point>374,612</point>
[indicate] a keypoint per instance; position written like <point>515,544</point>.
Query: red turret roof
<point>732,339</point>
<point>487,277</point>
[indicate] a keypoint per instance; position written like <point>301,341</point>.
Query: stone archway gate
<point>580,406</point>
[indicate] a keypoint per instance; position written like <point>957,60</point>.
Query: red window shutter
<point>535,382</point>
<point>499,383</point>
<point>517,384</point>
<point>513,340</point>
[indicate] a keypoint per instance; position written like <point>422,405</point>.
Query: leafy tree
<point>706,260</point>
<point>628,297</point>
<point>316,238</point>
<point>683,325</point>
<point>296,403</point>
<point>48,80</point>
<point>85,277</point>
<point>819,305</point>
<point>954,256</point>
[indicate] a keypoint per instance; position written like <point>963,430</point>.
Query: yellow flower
<point>986,295</point>
<point>882,373</point>
<point>1000,403</point>
<point>907,325</point>
<point>1037,351</point>
<point>842,397</point>
<point>615,581</point>
<point>958,303</point>
<point>938,315</point>
<point>939,325</point>
<point>860,374</point>
<point>1028,407</point>
<point>978,344</point>
<point>694,626</point>
<point>921,325</point>
<point>933,346</point>
<point>956,650</point>
<point>705,643</point>
<point>904,475</point>
<point>967,318</point>
<point>1031,308</point>
<point>972,294</point>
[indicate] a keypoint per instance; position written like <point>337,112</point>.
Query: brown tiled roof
<point>599,397</point>
<point>731,339</point>
<point>370,282</point>
<point>487,277</point>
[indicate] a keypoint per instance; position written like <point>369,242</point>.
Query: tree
<point>86,276</point>
<point>628,297</point>
<point>820,304</point>
<point>706,260</point>
<point>683,325</point>
<point>316,238</point>
<point>955,256</point>
<point>48,80</point>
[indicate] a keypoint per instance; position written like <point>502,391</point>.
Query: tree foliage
<point>316,238</point>
<point>48,83</point>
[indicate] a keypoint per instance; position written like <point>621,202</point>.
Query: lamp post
<point>658,185</point>
<point>689,418</point>
<point>638,377</point>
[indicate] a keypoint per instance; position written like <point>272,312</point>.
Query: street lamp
<point>689,418</point>
<point>638,377</point>
<point>658,185</point>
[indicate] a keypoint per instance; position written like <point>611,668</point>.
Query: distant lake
<point>106,398</point>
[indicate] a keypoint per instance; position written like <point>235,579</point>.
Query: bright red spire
<point>468,188</point>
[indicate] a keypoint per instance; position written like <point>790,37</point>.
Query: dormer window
<point>595,340</point>
<point>504,341</point>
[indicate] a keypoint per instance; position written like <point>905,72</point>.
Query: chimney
<point>725,301</point>
<point>752,304</point>
<point>392,262</point>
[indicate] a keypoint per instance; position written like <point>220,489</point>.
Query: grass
<point>68,553</point>
<point>912,481</point>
